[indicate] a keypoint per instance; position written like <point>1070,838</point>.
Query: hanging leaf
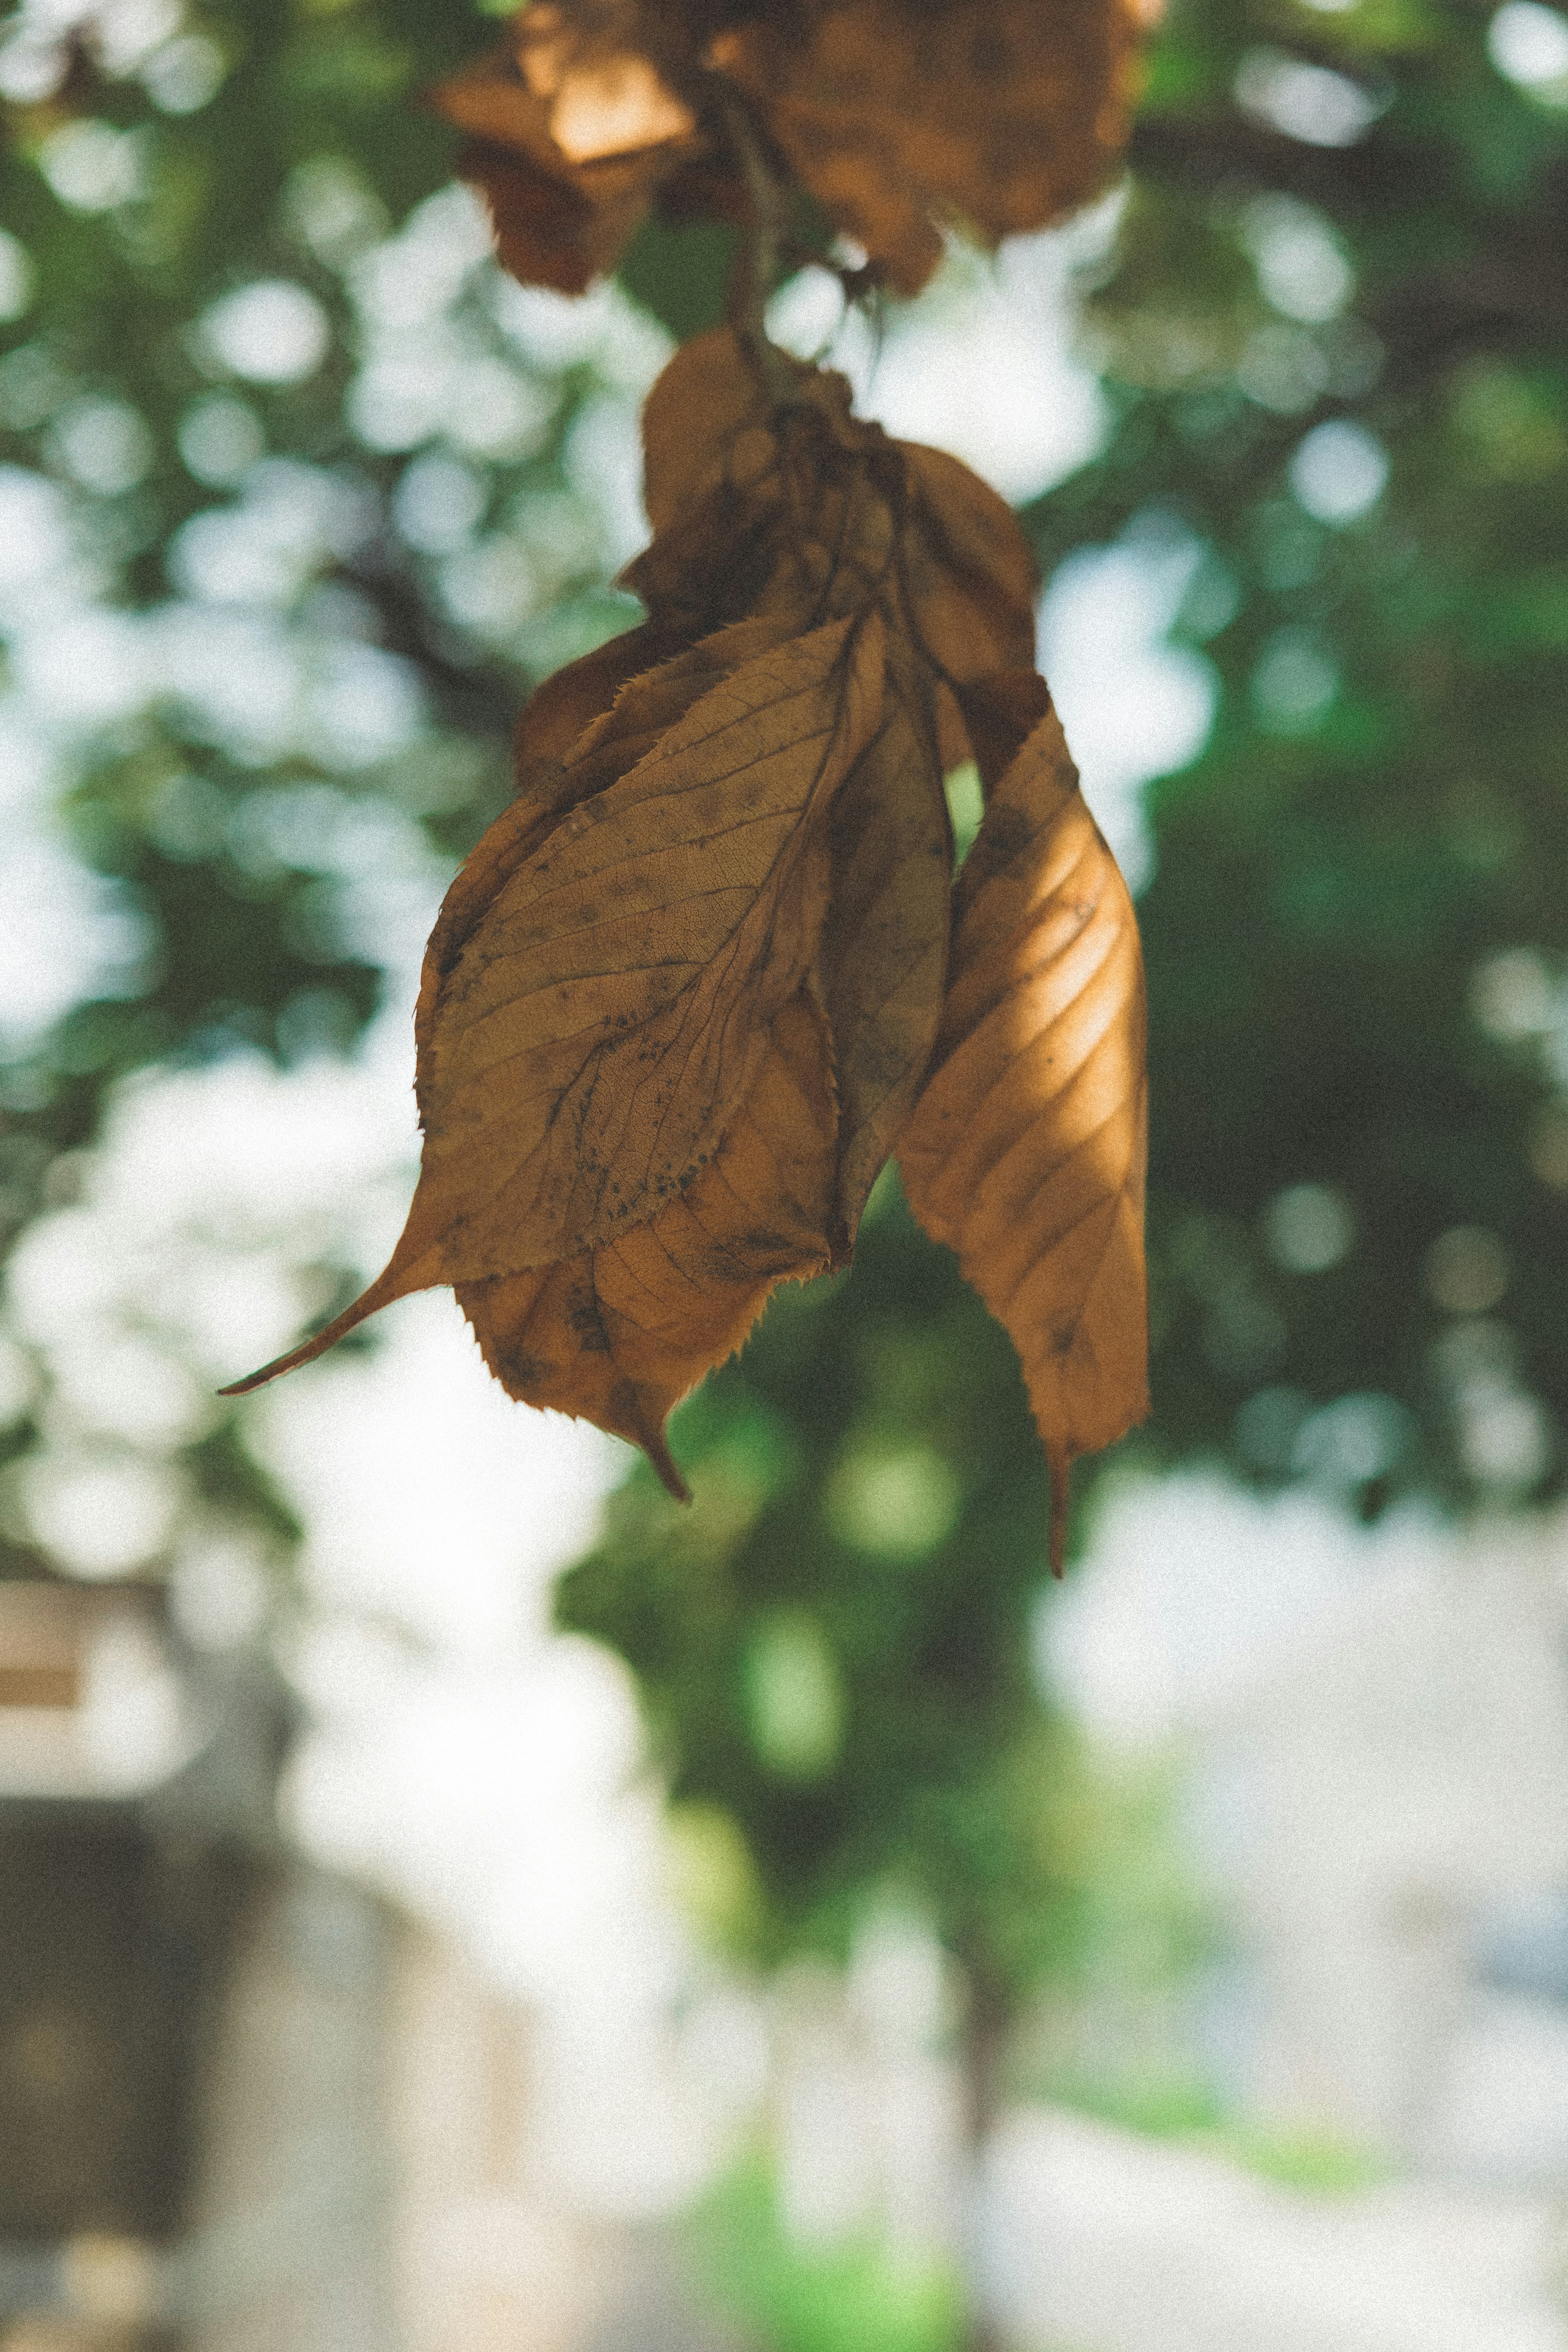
<point>1025,1151</point>
<point>573,134</point>
<point>693,987</point>
<point>627,671</point>
<point>996,716</point>
<point>595,1033</point>
<point>901,118</point>
<point>594,72</point>
<point>991,115</point>
<point>557,224</point>
<point>589,1034</point>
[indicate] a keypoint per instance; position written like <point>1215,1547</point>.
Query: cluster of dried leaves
<point>896,116</point>
<point>712,967</point>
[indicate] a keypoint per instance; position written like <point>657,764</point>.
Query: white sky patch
<point>1132,706</point>
<point>1194,1589</point>
<point>64,935</point>
<point>86,666</point>
<point>980,364</point>
<point>1529,45</point>
<point>105,443</point>
<point>1339,471</point>
<point>92,166</point>
<point>427,1492</point>
<point>1302,267</point>
<point>35,537</point>
<point>65,932</point>
<point>210,1193</point>
<point>101,1514</point>
<point>220,438</point>
<point>1309,102</point>
<point>183,75</point>
<point>603,461</point>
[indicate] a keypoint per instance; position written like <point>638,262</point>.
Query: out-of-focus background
<point>449,1897</point>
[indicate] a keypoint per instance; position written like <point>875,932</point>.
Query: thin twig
<point>761,245</point>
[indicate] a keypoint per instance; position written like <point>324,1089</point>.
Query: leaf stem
<point>758,263</point>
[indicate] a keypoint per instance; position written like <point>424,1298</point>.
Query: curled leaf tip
<point>304,1354</point>
<point>403,1274</point>
<point>656,1447</point>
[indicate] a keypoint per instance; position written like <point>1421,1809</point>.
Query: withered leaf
<point>556,223</point>
<point>702,977</point>
<point>588,1042</point>
<point>619,1334</point>
<point>571,139</point>
<point>994,115</point>
<point>995,717</point>
<point>1025,1151</point>
<point>899,116</point>
<point>568,715</point>
<point>970,573</point>
<point>712,390</point>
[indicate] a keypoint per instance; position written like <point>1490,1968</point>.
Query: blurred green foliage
<point>860,2296</point>
<point>834,1641</point>
<point>1356,933</point>
<point>1338,400</point>
<point>1332,338</point>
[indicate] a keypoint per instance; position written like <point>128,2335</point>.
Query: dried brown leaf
<point>605,95</point>
<point>818,512</point>
<point>1025,1151</point>
<point>713,390</point>
<point>564,213</point>
<point>991,115</point>
<point>589,1032</point>
<point>596,1030</point>
<point>554,716</point>
<point>683,999</point>
<point>998,115</point>
<point>996,716</point>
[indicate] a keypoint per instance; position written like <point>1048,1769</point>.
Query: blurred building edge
<point>246,2104</point>
<point>140,1883</point>
<point>1388,1807</point>
<point>136,1826</point>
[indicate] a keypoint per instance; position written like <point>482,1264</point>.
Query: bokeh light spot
<point>1339,471</point>
<point>894,1506</point>
<point>1309,1228</point>
<point>272,331</point>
